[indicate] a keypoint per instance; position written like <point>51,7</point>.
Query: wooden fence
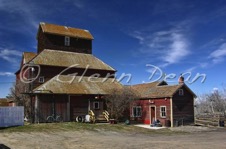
<point>210,120</point>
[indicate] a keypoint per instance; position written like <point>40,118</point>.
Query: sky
<point>143,38</point>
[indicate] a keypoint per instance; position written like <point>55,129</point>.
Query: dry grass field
<point>87,136</point>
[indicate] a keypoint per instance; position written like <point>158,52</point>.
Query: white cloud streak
<point>78,4</point>
<point>22,9</point>
<point>218,55</point>
<point>10,55</point>
<point>178,49</point>
<point>169,47</point>
<point>8,74</point>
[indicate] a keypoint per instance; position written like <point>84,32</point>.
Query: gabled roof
<point>27,56</point>
<point>65,84</point>
<point>142,88</point>
<point>67,59</point>
<point>156,90</point>
<point>64,30</point>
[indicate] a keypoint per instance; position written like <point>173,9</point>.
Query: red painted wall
<point>146,104</point>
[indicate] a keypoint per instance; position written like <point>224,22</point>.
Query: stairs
<point>103,118</point>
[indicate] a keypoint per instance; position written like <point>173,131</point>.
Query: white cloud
<point>78,4</point>
<point>215,88</point>
<point>10,55</point>
<point>191,69</point>
<point>6,74</point>
<point>23,10</point>
<point>178,49</point>
<point>168,46</point>
<point>7,52</point>
<point>218,55</point>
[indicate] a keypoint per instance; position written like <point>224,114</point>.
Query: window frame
<point>67,41</point>
<point>181,92</point>
<point>138,114</point>
<point>94,105</point>
<point>43,79</point>
<point>161,112</point>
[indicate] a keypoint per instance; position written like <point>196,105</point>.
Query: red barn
<point>170,104</point>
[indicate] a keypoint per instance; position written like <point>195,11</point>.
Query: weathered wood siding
<point>52,104</point>
<point>48,72</point>
<point>98,112</point>
<point>56,42</point>
<point>183,108</point>
<point>80,105</point>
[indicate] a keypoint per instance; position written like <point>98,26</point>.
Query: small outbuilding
<point>5,102</point>
<point>172,105</point>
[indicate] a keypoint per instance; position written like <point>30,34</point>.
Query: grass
<point>73,126</point>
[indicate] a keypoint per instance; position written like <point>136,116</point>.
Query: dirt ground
<point>198,138</point>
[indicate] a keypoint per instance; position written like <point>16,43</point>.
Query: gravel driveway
<point>205,138</point>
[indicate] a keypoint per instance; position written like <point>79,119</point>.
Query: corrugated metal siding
<point>11,116</point>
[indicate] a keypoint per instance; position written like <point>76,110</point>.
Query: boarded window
<point>181,92</point>
<point>163,111</point>
<point>67,41</point>
<point>136,111</point>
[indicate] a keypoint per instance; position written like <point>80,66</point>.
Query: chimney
<point>181,79</point>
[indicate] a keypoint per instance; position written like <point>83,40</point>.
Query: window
<point>181,92</point>
<point>136,111</point>
<point>96,105</point>
<point>163,111</point>
<point>41,80</point>
<point>67,41</point>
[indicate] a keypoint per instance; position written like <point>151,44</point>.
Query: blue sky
<point>178,36</point>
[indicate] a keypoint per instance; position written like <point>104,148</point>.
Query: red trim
<point>147,121</point>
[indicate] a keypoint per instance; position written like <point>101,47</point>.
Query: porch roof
<point>65,84</point>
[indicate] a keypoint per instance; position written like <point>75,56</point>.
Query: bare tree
<point>118,102</point>
<point>212,102</point>
<point>217,101</point>
<point>17,94</point>
<point>201,105</point>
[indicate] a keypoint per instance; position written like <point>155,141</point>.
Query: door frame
<point>152,106</point>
